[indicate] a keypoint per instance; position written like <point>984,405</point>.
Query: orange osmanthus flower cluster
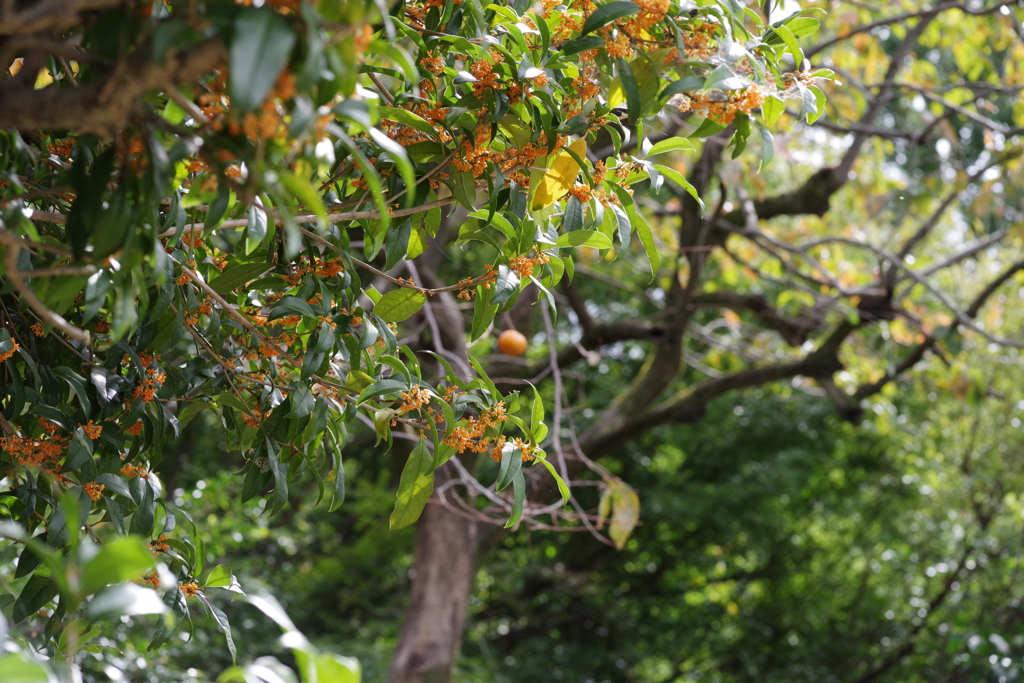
<point>94,490</point>
<point>470,434</point>
<point>190,589</point>
<point>414,399</point>
<point>7,355</point>
<point>159,545</point>
<point>150,384</point>
<point>723,112</point>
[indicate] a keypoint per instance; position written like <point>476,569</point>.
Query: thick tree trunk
<point>445,564</point>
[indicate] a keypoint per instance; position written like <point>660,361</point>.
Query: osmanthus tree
<point>247,209</point>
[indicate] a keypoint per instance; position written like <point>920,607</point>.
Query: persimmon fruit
<point>512,343</point>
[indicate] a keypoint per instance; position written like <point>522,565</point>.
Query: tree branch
<point>794,332</point>
<point>107,105</point>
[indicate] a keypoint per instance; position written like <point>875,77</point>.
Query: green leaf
<point>582,43</point>
<point>236,275</point>
<point>518,496</point>
<point>688,84</point>
<point>819,104</point>
<point>801,27</point>
<point>220,577</point>
<point>483,315</point>
<point>511,464</point>
<point>259,49</point>
<point>305,193</point>
<point>791,45</point>
<point>38,591</point>
<point>537,412</point>
<point>680,180</point>
<point>279,471</point>
<point>124,600</point>
<point>572,219</point>
<point>303,400</point>
<point>634,105</point>
<point>563,488</point>
<point>584,238</point>
<point>217,208</point>
<point>414,488</point>
<point>606,14</point>
<point>122,559</point>
<point>767,144</point>
<point>221,620</point>
<point>114,483</point>
<point>772,108</point>
<point>17,669</point>
<point>337,669</point>
<point>670,145</point>
<point>407,118</point>
<point>399,304</point>
<point>643,230</point>
<point>505,285</point>
<point>384,386</point>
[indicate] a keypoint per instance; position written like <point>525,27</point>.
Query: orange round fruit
<point>512,343</point>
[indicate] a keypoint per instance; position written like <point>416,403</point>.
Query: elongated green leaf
<point>606,14</point>
<point>17,669</point>
<point>634,105</point>
<point>122,559</point>
<point>399,304</point>
<point>584,238</point>
<point>124,600</point>
<point>259,49</point>
<point>772,109</point>
<point>563,488</point>
<point>518,497</point>
<point>407,118</point>
<point>582,43</point>
<point>414,488</point>
<point>670,145</point>
<point>680,180</point>
<point>305,193</point>
<point>236,275</point>
<point>505,285</point>
<point>384,386</point>
<point>38,591</point>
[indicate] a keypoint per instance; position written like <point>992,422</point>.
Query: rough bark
<point>445,564</point>
<point>107,105</point>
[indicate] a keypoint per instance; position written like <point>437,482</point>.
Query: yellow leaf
<point>625,509</point>
<point>560,176</point>
<point>616,93</point>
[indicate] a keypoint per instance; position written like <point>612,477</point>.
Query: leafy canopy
<point>207,222</point>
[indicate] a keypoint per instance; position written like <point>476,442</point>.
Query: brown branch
<point>16,277</point>
<point>810,52</point>
<point>305,219</point>
<point>917,354</point>
<point>49,15</point>
<point>794,332</point>
<point>104,106</point>
<point>690,404</point>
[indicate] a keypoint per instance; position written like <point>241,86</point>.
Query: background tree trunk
<point>445,564</point>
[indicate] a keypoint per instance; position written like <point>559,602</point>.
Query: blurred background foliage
<point>777,543</point>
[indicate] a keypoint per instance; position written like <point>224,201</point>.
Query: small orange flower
<point>7,355</point>
<point>94,490</point>
<point>190,589</point>
<point>159,545</point>
<point>91,430</point>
